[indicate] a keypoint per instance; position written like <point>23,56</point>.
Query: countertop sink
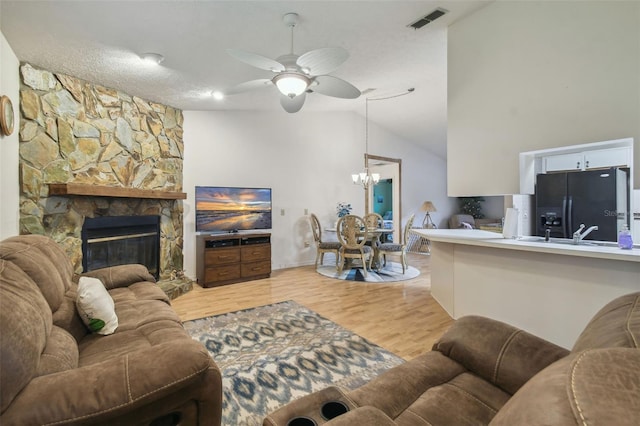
<point>569,241</point>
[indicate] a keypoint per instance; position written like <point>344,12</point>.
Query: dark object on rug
<point>53,370</point>
<point>274,354</point>
<point>487,372</point>
<point>392,272</point>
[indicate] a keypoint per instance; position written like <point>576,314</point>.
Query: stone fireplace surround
<point>80,134</point>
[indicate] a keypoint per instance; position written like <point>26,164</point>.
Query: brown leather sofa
<point>54,371</point>
<point>487,372</point>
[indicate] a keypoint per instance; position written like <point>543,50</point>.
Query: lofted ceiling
<point>100,41</point>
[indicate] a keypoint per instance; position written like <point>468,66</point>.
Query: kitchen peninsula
<point>546,288</point>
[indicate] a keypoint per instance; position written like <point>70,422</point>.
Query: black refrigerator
<point>595,197</point>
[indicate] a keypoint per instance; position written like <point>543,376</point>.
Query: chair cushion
<point>432,389</point>
<point>365,249</point>
<point>329,246</point>
<point>143,324</point>
<point>60,353</point>
<point>390,247</point>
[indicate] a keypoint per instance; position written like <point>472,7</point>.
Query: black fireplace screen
<point>119,240</point>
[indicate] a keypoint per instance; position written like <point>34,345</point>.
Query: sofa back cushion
<point>592,387</point>
<point>44,261</point>
<point>617,324</point>
<point>25,324</point>
<point>49,267</point>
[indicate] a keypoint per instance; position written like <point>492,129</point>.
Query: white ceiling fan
<point>297,75</point>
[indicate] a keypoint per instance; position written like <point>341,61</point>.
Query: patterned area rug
<point>274,354</point>
<point>390,273</point>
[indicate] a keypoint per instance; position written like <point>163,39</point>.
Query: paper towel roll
<point>510,227</point>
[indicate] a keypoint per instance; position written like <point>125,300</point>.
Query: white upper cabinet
<point>587,160</point>
<point>615,157</point>
<point>556,163</point>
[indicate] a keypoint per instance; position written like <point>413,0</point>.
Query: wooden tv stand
<point>232,258</point>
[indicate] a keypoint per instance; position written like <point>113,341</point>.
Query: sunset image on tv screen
<point>220,209</point>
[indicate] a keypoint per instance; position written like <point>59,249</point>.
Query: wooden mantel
<point>112,191</point>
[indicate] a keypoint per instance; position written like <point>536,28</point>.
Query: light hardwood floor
<point>401,317</point>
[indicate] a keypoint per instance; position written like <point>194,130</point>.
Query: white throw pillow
<point>95,306</point>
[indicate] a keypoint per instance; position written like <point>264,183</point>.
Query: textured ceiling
<point>101,41</point>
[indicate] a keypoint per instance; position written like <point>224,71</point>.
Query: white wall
<point>9,180</point>
<point>307,158</point>
<point>530,75</point>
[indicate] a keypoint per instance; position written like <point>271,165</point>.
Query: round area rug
<point>390,273</point>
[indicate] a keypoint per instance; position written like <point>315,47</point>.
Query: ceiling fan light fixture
<point>291,84</point>
<point>152,58</point>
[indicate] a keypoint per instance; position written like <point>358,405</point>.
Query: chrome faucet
<point>577,236</point>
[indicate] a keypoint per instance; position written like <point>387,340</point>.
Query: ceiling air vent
<point>427,19</point>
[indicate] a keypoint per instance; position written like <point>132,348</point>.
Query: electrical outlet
<point>281,212</point>
<point>306,212</point>
<point>307,244</point>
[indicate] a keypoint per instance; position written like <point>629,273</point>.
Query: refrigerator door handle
<point>569,218</point>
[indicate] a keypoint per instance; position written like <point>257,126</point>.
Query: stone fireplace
<point>88,152</point>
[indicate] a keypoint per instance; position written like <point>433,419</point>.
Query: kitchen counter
<point>550,289</point>
<point>491,239</point>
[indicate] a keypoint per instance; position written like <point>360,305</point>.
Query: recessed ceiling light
<point>217,95</point>
<point>152,58</point>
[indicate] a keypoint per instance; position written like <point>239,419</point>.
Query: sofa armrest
<point>121,275</point>
<point>362,416</point>
<point>500,353</point>
<point>139,387</point>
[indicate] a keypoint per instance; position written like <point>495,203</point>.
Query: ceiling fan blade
<point>323,61</point>
<point>293,104</point>
<point>256,60</point>
<point>333,86</point>
<point>248,86</point>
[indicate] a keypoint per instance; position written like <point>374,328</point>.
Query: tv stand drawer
<point>256,269</point>
<point>255,253</point>
<point>221,256</point>
<point>222,273</point>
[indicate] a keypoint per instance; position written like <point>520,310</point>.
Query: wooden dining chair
<point>394,248</point>
<point>322,246</point>
<point>373,220</point>
<point>353,234</point>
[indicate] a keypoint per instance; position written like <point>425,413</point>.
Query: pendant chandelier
<point>365,177</point>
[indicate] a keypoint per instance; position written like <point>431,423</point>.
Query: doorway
<point>385,198</point>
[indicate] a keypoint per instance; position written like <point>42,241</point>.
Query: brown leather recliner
<point>487,372</point>
<point>54,371</point>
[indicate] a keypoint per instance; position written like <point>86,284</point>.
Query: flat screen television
<point>231,209</point>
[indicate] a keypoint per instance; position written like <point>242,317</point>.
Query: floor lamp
<point>428,207</point>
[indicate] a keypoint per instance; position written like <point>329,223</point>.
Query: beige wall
<point>525,76</point>
<point>9,191</point>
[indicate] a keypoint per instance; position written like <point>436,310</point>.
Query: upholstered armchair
<point>486,372</point>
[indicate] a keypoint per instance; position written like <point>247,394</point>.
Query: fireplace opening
<point>119,240</point>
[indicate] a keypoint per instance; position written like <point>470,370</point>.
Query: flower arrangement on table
<point>343,209</point>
